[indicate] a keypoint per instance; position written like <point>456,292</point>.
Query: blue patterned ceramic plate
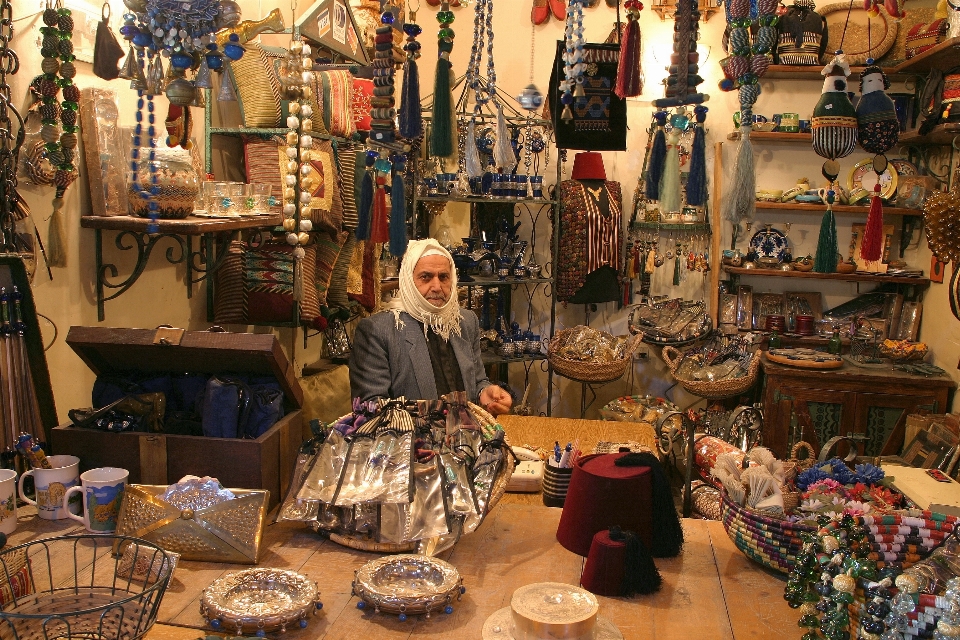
<point>769,244</point>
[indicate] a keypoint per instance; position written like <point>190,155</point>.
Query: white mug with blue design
<point>51,486</point>
<point>102,492</point>
<point>8,501</point>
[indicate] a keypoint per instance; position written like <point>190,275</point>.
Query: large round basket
<point>364,543</point>
<point>70,587</point>
<point>591,372</point>
<point>771,542</point>
<point>712,389</point>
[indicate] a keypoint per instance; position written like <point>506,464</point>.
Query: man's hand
<point>495,400</point>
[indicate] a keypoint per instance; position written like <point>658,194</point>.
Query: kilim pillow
<point>325,204</point>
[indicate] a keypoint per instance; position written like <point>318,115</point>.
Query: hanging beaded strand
<point>383,102</point>
<point>572,84</point>
<point>297,209</point>
<point>148,194</point>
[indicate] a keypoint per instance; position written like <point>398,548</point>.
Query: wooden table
<point>849,400</point>
<point>711,591</point>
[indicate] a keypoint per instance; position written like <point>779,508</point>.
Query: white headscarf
<point>441,320</point>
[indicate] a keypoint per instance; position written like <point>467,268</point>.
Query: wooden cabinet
<point>872,403</point>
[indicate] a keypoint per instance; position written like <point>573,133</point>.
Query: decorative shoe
<point>540,12</point>
<point>559,8</point>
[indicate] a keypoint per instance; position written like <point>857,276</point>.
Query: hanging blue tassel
<point>697,180</point>
<point>398,213</point>
<point>365,207</point>
<point>410,120</point>
<point>658,154</point>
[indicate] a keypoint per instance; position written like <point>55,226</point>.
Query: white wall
<point>160,295</point>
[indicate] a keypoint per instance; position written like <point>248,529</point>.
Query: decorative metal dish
<point>674,322</point>
<point>256,601</point>
<point>408,584</point>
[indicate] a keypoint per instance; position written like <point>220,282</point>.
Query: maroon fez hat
<point>603,495</point>
<point>588,165</point>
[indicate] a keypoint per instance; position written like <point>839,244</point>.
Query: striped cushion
<point>259,156</point>
<point>347,166</point>
<point>337,292</point>
<point>328,248</point>
<point>258,95</point>
<point>229,296</point>
<point>337,91</point>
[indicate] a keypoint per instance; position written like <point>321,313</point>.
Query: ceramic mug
<point>101,493</point>
<point>51,485</point>
<point>8,501</point>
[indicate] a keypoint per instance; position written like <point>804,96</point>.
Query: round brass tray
<point>255,600</point>
<point>408,584</point>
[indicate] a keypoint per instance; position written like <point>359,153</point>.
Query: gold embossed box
<point>229,531</point>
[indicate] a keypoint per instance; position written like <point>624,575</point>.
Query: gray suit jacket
<point>386,363</point>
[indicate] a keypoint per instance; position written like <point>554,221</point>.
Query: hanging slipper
<point>559,8</point>
<point>540,12</point>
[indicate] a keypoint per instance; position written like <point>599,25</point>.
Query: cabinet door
<point>813,415</point>
<point>882,417</point>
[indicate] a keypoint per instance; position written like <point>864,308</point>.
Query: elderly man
<point>428,347</point>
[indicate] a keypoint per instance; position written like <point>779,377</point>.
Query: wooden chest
<point>155,458</point>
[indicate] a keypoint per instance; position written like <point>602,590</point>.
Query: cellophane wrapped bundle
<point>399,472</point>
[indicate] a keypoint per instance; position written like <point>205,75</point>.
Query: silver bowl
<point>408,584</point>
<point>255,600</point>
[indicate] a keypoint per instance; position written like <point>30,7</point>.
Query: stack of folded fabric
<point>383,103</point>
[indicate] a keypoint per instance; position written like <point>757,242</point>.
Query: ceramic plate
<point>769,243</point>
<point>863,177</point>
<point>904,167</point>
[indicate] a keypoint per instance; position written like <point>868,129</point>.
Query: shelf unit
<point>773,136</point>
<point>844,277</point>
<point>942,56</point>
<point>526,209</point>
<point>838,209</point>
<point>812,72</point>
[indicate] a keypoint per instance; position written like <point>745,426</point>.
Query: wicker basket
<point>771,542</point>
<point>591,372</point>
<point>716,389</point>
<point>364,543</point>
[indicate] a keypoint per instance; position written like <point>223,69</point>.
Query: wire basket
<point>73,587</point>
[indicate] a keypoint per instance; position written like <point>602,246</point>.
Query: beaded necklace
<point>482,32</point>
<point>572,85</point>
<point>148,194</point>
<point>60,144</point>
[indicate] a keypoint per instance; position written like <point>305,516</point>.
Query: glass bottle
<point>775,341</point>
<point>835,345</point>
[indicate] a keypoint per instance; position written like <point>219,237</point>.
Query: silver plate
<point>410,584</point>
<point>499,626</point>
<point>255,599</point>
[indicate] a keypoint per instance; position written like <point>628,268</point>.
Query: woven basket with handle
<point>594,372</point>
<point>712,389</point>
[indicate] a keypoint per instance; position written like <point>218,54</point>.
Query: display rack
<point>528,210</point>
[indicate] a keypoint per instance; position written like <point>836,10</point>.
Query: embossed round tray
<point>408,584</point>
<point>255,600</point>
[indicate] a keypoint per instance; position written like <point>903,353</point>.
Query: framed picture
<point>937,268</point>
<point>745,307</point>
<point>803,303</point>
<point>728,308</point>
<point>856,240</point>
<point>766,304</point>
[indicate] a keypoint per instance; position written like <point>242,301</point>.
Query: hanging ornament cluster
<point>629,73</point>
<point>573,66</point>
<point>374,223</point>
<point>834,133</point>
<point>60,138</point>
<point>383,104</point>
<point>149,191</point>
<point>878,130</point>
<point>742,69</point>
<point>298,185</point>
<point>442,132</point>
<point>410,121</point>
<point>184,32</point>
<point>684,71</point>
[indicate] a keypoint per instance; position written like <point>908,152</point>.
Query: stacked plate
<point>556,481</point>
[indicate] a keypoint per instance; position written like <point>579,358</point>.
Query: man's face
<point>433,277</point>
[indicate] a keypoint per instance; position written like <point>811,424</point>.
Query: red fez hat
<point>619,565</point>
<point>603,495</point>
<point>588,165</point>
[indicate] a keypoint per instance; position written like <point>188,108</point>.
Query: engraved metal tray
<point>408,584</point>
<point>255,600</point>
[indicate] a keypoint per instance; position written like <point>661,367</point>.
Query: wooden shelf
<point>845,277</point>
<point>773,136</point>
<point>490,199</point>
<point>839,209</point>
<point>189,226</point>
<point>941,134</point>
<point>812,72</point>
<point>672,226</point>
<point>942,56</point>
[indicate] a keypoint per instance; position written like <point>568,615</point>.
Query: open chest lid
<point>113,350</point>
